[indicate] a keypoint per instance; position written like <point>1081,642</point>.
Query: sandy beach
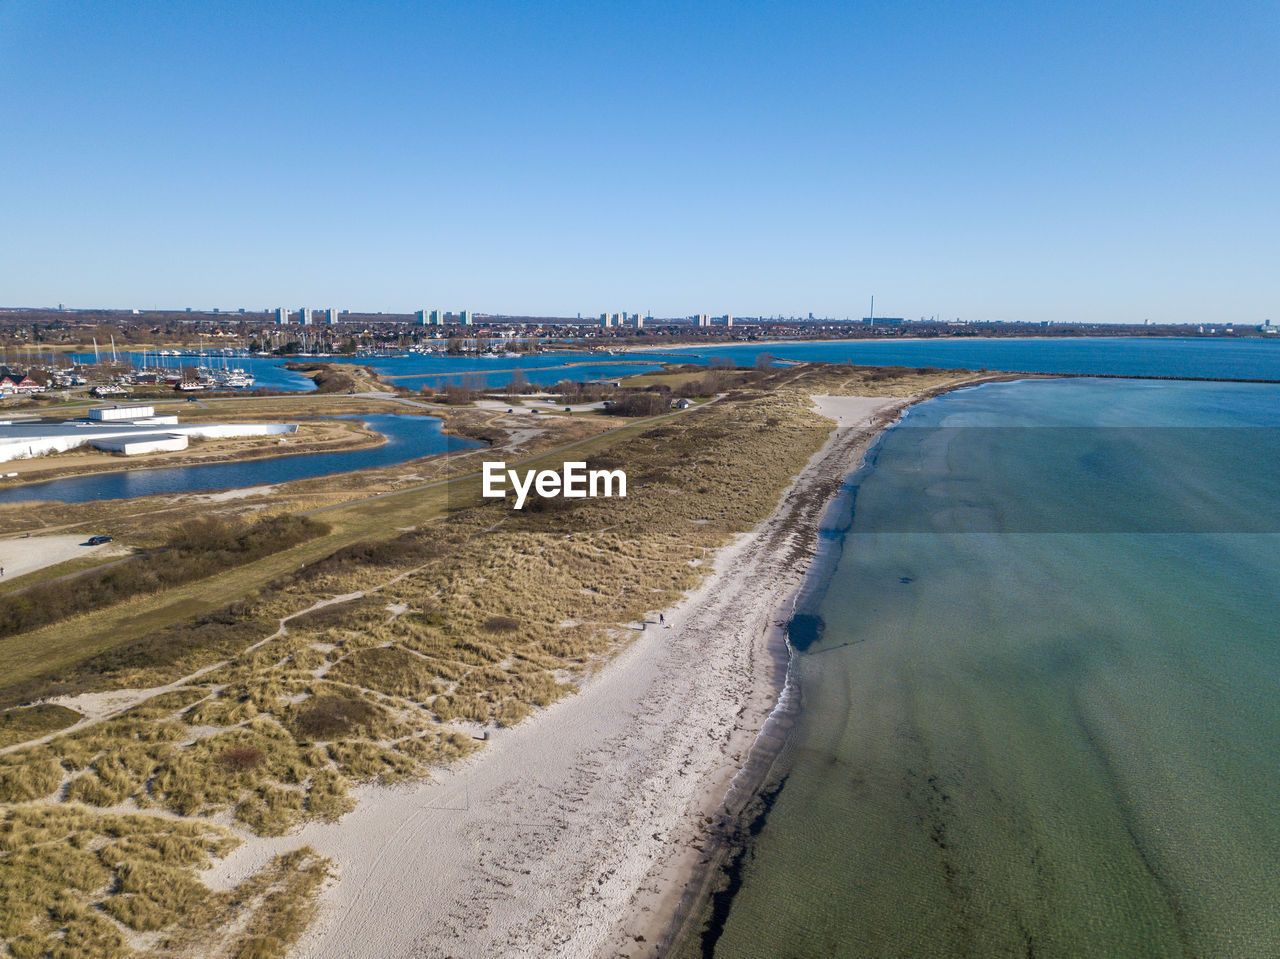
<point>570,834</point>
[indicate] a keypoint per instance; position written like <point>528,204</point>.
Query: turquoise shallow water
<point>1041,717</point>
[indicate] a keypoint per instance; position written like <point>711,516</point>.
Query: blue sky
<point>1093,161</point>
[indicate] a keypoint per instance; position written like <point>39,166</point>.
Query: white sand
<point>244,492</point>
<point>569,834</point>
<point>24,555</point>
<point>849,411</point>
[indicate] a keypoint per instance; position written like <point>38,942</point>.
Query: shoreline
<point>719,839</point>
<point>568,834</point>
<point>690,879</point>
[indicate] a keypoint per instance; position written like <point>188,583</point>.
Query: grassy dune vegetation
<point>374,658</point>
<point>80,883</point>
<point>195,549</point>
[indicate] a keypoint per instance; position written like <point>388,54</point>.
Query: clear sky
<point>1102,161</point>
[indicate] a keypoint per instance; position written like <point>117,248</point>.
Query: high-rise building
<point>422,317</point>
<point>702,319</point>
<point>728,320</point>
<point>639,322</point>
<point>437,318</point>
<point>464,317</point>
<point>331,316</point>
<point>282,316</point>
<point>605,321</point>
<point>304,316</point>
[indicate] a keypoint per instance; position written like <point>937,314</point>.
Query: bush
<point>332,717</point>
<point>712,383</point>
<point>640,404</point>
<point>242,758</point>
<point>196,549</point>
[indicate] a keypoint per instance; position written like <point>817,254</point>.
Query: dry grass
<point>390,669</point>
<point>281,901</point>
<point>333,717</point>
<point>502,607</point>
<point>30,722</point>
<point>67,873</point>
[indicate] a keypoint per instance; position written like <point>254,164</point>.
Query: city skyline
<point>1097,164</point>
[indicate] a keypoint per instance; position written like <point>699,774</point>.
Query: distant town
<point>190,350</point>
<point>307,330</point>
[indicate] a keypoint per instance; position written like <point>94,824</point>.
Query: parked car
<point>98,540</point>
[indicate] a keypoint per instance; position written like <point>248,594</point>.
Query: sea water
<point>1042,715</point>
<point>1172,356</point>
<point>1227,358</point>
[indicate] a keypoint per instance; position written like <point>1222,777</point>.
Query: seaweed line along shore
<point>570,833</point>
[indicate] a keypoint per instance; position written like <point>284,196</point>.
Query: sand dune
<point>568,835</point>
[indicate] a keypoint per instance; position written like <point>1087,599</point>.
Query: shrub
<point>196,549</point>
<point>332,717</point>
<point>241,758</point>
<point>501,624</point>
<point>640,404</point>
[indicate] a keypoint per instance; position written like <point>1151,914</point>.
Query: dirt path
<point>555,838</point>
<point>100,706</point>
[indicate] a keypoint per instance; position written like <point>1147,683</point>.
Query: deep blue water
<point>408,437</point>
<point>435,370</point>
<point>1248,358</point>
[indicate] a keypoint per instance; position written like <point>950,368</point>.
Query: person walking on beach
<point>661,619</point>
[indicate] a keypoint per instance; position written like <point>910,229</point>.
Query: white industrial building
<point>130,430</point>
<point>144,415</point>
<point>144,443</point>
